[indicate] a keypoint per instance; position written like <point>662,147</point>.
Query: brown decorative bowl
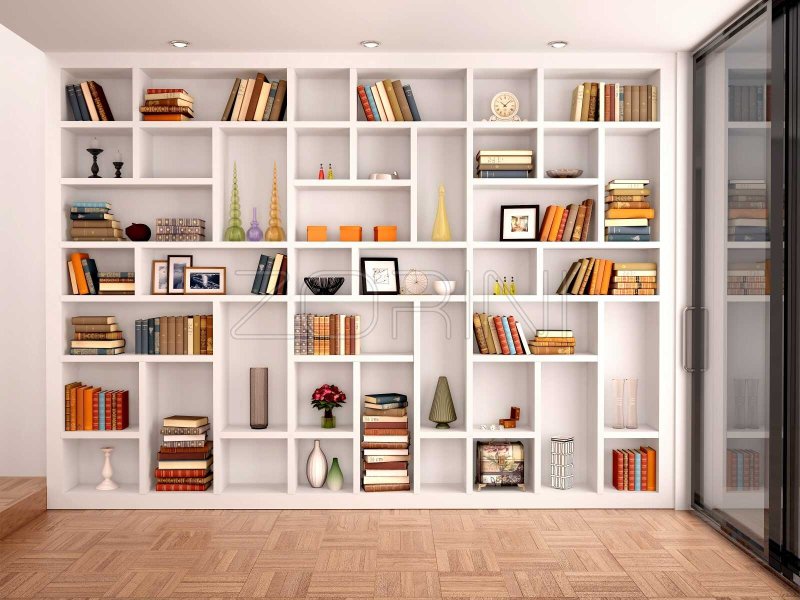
<point>564,173</point>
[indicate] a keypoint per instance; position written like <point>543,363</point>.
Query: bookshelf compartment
<point>106,259</point>
<point>384,151</point>
<point>327,262</point>
<point>311,376</point>
<point>342,449</point>
<point>520,137</point>
<point>322,94</point>
<point>116,85</point>
<point>437,265</point>
<point>386,378</point>
<point>122,376</point>
<point>440,160</point>
<point>442,465</point>
<point>571,149</point>
<point>748,153</point>
<point>492,265</point>
<point>84,462</point>
<point>496,387</point>
<point>632,443</point>
<point>440,94</point>
<point>558,261</point>
<point>322,146</point>
<point>530,470</point>
<point>115,142</point>
<point>174,152</point>
<point>252,466</point>
<point>488,82</point>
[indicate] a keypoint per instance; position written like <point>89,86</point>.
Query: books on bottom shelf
<point>496,334</point>
<point>91,408</point>
<point>628,210</point>
<point>185,457</point>
<point>96,335</point>
<point>634,469</point>
<point>385,444</point>
<point>743,469</point>
<point>327,335</point>
<point>192,334</point>
<point>749,279</point>
<point>597,276</point>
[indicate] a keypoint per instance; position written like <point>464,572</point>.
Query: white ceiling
<point>401,25</point>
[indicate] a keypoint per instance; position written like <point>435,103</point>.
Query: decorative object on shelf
<point>618,389</point>
<point>445,287</point>
<point>489,427</point>
<point>496,291</point>
<point>275,231</point>
<point>95,151</point>
<point>321,174</point>
<point>328,397</point>
<point>349,233</point>
<point>632,418</point>
<point>384,233</point>
<point>519,223</point>
<point>177,265</point>
<point>159,280</point>
<point>442,410</point>
<point>316,233</point>
<point>138,232</point>
<point>384,176</point>
<point>316,466</point>
<point>506,289</point>
<point>259,397</point>
<point>563,173</point>
<point>562,468</point>
<point>501,464</point>
<point>180,229</point>
<point>330,171</point>
<point>324,286</point>
<point>752,413</point>
<point>513,287</point>
<point>379,276</point>
<point>504,164</point>
<point>254,234</point>
<point>414,282</point>
<point>441,227</point>
<point>118,165</point>
<point>504,107</point>
<point>107,484</point>
<point>205,280</point>
<point>335,477</point>
<point>511,421</point>
<point>234,231</point>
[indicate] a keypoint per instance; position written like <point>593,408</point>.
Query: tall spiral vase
<point>442,410</point>
<point>274,232</point>
<point>316,466</point>
<point>235,231</point>
<point>107,484</point>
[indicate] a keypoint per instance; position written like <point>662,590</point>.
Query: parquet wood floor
<point>378,554</point>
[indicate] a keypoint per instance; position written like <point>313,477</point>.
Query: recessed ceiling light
<point>370,44</point>
<point>557,44</point>
<point>178,43</point>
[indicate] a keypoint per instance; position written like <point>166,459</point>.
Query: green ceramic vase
<point>335,476</point>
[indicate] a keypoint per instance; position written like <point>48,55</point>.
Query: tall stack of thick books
<point>743,469</point>
<point>628,210</point>
<point>504,164</point>
<point>553,341</point>
<point>93,222</point>
<point>98,335</point>
<point>167,104</point>
<point>256,99</point>
<point>180,229</point>
<point>388,100</point>
<point>634,279</point>
<point>748,279</point>
<point>634,470</point>
<point>747,210</point>
<point>185,457</point>
<point>385,445</point>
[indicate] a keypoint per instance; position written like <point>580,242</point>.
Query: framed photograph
<point>205,280</point>
<point>379,276</point>
<point>160,277</point>
<point>177,263</point>
<point>519,223</point>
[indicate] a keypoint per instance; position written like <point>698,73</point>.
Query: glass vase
<point>618,387</point>
<point>335,476</point>
<point>328,420</point>
<point>632,419</point>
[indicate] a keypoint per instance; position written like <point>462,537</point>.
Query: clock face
<point>505,105</point>
<point>416,282</point>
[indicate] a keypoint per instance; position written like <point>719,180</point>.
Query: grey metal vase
<point>442,409</point>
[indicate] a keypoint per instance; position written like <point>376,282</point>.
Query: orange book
<point>607,271</point>
<point>501,335</point>
<point>88,395</point>
<point>563,224</point>
<point>651,468</point>
<point>631,213</point>
<point>80,277</point>
<point>596,281</point>
<point>76,399</point>
<point>547,222</point>
<point>557,217</point>
<point>166,117</point>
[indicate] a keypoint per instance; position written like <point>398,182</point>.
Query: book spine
<point>512,326</point>
<point>180,487</point>
<point>72,101</point>
<point>412,104</point>
<point>365,106</point>
<point>504,343</point>
<point>479,337</point>
<point>372,106</point>
<point>82,106</point>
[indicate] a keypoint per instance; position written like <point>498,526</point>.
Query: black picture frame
<point>363,276</point>
<point>505,233</point>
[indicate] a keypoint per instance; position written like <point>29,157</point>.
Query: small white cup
<point>444,288</point>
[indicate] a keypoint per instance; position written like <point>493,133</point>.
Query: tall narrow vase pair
<point>625,418</point>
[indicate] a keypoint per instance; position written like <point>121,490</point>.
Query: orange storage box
<point>386,233</point>
<point>350,233</point>
<point>317,233</point>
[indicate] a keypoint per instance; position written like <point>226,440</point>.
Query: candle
<point>95,143</point>
<point>119,155</point>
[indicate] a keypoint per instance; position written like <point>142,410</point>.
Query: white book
<point>384,458</point>
<point>636,273</point>
<point>626,222</point>
<point>386,472</point>
<point>636,181</point>
<point>601,101</point>
<point>190,333</point>
<point>185,438</point>
<point>372,480</point>
<point>378,104</point>
<point>577,102</point>
<point>549,333</point>
<point>522,337</point>
<point>385,438</point>
<point>379,419</point>
<point>248,94</point>
<point>393,452</point>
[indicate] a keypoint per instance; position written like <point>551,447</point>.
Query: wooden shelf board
<point>122,434</point>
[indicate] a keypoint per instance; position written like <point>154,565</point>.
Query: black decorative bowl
<point>324,286</point>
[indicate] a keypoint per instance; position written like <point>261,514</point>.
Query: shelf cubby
<point>488,82</point>
<point>449,146</point>
<point>440,94</point>
<point>322,146</point>
<point>571,148</point>
<point>252,466</point>
<point>384,151</point>
<point>437,265</point>
<point>122,376</point>
<point>77,162</point>
<point>628,443</point>
<point>444,467</point>
<point>309,377</point>
<point>322,94</point>
<point>85,462</point>
<point>522,136</point>
<point>106,259</point>
<point>496,387</point>
<point>341,448</point>
<point>494,264</point>
<point>175,152</point>
<point>558,261</point>
<point>324,262</point>
<point>116,83</point>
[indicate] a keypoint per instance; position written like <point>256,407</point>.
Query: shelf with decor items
<point>185,169</point>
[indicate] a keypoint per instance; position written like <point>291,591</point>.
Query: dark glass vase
<point>328,420</point>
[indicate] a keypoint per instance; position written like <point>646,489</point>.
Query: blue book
<point>101,411</point>
<point>72,102</point>
<point>637,474</point>
<point>373,107</point>
<point>507,330</point>
<point>385,398</point>
<point>505,174</point>
<point>262,264</point>
<point>632,230</point>
<point>84,110</point>
<point>627,237</point>
<point>412,104</point>
<point>262,288</point>
<point>91,205</point>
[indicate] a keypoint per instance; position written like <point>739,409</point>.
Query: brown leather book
<point>587,221</point>
<point>185,321</point>
<point>586,276</point>
<point>587,95</point>
<point>196,334</point>
<point>254,98</point>
<point>480,338</point>
<point>643,103</point>
<point>387,487</point>
<point>634,102</point>
<point>166,117</point>
<point>100,101</point>
<point>278,107</point>
<point>398,115</point>
<point>405,109</point>
<point>579,222</point>
<point>210,334</point>
<point>386,466</point>
<point>594,103</point>
<point>226,114</point>
<point>627,104</point>
<point>384,431</point>
<point>384,445</point>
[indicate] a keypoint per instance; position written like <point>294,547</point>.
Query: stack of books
<point>747,210</point>
<point>87,101</point>
<point>385,447</point>
<point>628,210</point>
<point>93,222</point>
<point>193,334</point>
<point>496,334</point>
<point>167,104</point>
<point>634,279</point>
<point>117,282</point>
<point>634,470</point>
<point>570,223</point>
<point>553,341</point>
<point>743,469</point>
<point>749,102</point>
<point>185,456</point>
<point>748,279</point>
<point>504,164</point>
<point>180,229</point>
<point>256,99</point>
<point>90,408</point>
<point>270,277</point>
<point>99,335</point>
<point>388,100</point>
<point>600,101</point>
<point>587,277</point>
<point>327,335</point>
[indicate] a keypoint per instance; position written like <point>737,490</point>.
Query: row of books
<point>180,229</point>
<point>504,164</point>
<point>96,335</point>
<point>598,276</point>
<point>91,408</point>
<point>85,279</point>
<point>634,470</point>
<point>749,102</point>
<point>600,101</point>
<point>553,342</point>
<point>743,469</point>
<point>499,334</point>
<point>88,102</point>
<point>270,277</point>
<point>256,99</point>
<point>749,279</point>
<point>388,100</point>
<point>747,210</point>
<point>185,457</point>
<point>628,210</point>
<point>327,335</point>
<point>385,445</point>
<point>193,334</point>
<point>167,104</point>
<point>93,222</point>
<point>567,223</point>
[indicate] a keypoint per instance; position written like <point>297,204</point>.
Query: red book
<point>625,456</point>
<point>643,472</point>
<point>614,466</point>
<point>107,402</point>
<point>501,334</point>
<point>362,95</point>
<point>182,487</point>
<point>122,410</point>
<point>181,473</point>
<point>562,225</point>
<point>166,91</point>
<point>96,409</point>
<point>348,332</point>
<point>631,469</point>
<point>512,325</point>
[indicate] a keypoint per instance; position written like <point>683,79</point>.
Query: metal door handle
<point>685,340</point>
<point>688,368</point>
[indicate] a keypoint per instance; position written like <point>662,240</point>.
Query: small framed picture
<point>519,223</point>
<point>175,271</point>
<point>379,276</point>
<point>160,277</point>
<point>205,280</point>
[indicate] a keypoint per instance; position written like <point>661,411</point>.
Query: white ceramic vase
<point>107,484</point>
<point>317,467</point>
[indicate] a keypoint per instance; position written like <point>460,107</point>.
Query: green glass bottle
<point>335,476</point>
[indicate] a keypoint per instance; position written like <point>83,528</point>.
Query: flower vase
<point>328,420</point>
<point>335,476</point>
<point>316,466</point>
<point>441,226</point>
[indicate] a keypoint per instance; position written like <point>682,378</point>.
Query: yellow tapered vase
<point>441,226</point>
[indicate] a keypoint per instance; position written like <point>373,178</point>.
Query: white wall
<point>22,391</point>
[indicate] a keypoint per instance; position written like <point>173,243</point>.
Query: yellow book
<point>631,213</point>
<point>556,224</point>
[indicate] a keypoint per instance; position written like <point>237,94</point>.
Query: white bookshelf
<point>185,169</point>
